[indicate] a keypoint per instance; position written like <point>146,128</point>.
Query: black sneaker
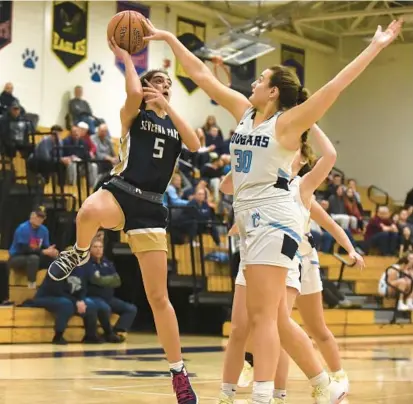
<point>59,340</point>
<point>67,261</point>
<point>92,339</point>
<point>182,387</point>
<point>114,338</point>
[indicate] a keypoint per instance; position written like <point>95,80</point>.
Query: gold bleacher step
<point>19,278</point>
<point>367,287</point>
<point>40,335</point>
<point>340,317</point>
<point>219,283</point>
<point>355,330</point>
<point>6,316</point>
<point>19,294</point>
<point>353,274</point>
<point>4,255</point>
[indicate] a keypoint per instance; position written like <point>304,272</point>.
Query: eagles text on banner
<point>69,38</point>
<point>140,59</point>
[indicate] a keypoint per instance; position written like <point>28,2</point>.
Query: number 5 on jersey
<point>243,163</point>
<point>158,148</point>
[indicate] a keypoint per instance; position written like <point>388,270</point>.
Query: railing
<point>399,292</point>
<point>192,245</point>
<point>344,264</point>
<point>372,192</point>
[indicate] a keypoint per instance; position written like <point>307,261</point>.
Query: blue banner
<point>294,58</point>
<point>140,59</point>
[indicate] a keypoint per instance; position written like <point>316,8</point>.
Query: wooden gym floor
<point>380,370</point>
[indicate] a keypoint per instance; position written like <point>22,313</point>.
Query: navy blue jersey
<point>149,152</point>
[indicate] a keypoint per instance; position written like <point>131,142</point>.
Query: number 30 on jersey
<point>243,163</point>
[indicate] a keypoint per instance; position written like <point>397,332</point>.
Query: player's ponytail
<point>307,152</point>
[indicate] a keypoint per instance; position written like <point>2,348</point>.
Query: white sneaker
<point>341,377</point>
<point>246,375</point>
<point>224,399</point>
<point>402,307</point>
<point>332,394</point>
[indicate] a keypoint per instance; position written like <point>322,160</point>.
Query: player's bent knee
<point>322,334</point>
<point>157,300</point>
<point>239,332</point>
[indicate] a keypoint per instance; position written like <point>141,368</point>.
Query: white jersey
<point>257,161</point>
<point>305,247</point>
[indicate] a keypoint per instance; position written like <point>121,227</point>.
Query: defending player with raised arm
<point>131,199</point>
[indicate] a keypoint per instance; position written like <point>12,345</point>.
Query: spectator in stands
<point>104,149</point>
<point>382,233</point>
<point>85,135</point>
<point>396,279</point>
<point>47,157</point>
<point>77,150</point>
<point>31,249</point>
<point>352,207</point>
<point>80,110</point>
<point>337,210</point>
<point>15,130</point>
<point>402,220</point>
<point>102,280</point>
<point>7,99</point>
<point>199,217</point>
<point>65,299</point>
<point>334,183</point>
<point>209,123</point>
<point>214,138</point>
<point>212,172</point>
<point>174,192</point>
<point>352,184</point>
<point>406,245</point>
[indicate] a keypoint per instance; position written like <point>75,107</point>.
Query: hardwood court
<point>381,371</point>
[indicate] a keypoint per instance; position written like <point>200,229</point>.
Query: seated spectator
<point>333,183</point>
<point>104,150</point>
<point>79,110</point>
<point>76,149</point>
<point>212,172</point>
<point>65,299</point>
<point>382,233</point>
<point>174,192</point>
<point>199,216</point>
<point>102,279</point>
<point>352,184</point>
<point>406,245</point>
<point>214,138</point>
<point>31,249</point>
<point>7,99</point>
<point>337,210</point>
<point>402,220</point>
<point>15,131</point>
<point>397,279</point>
<point>47,156</point>
<point>85,135</point>
<point>352,207</point>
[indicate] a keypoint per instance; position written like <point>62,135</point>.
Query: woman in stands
<point>270,125</point>
<point>152,136</point>
<point>305,280</point>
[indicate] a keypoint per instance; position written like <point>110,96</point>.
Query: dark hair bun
<point>303,95</point>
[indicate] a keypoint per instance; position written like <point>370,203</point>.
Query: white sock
<point>322,380</point>
<point>280,393</point>
<point>82,250</point>
<point>177,366</point>
<point>229,389</point>
<point>262,392</point>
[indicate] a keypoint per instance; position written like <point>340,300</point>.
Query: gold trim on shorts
<point>142,240</point>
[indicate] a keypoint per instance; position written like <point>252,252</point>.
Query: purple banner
<point>140,59</point>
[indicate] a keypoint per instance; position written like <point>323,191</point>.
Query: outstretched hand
<point>385,38</point>
<point>154,96</point>
<point>119,52</point>
<point>152,33</point>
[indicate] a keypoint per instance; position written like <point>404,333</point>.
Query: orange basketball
<point>127,29</point>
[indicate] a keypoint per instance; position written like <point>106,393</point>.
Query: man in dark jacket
<point>102,279</point>
<point>66,299</point>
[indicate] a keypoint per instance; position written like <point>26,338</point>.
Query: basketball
<point>127,29</point>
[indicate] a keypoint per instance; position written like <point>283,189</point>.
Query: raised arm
<point>298,119</point>
<point>326,222</point>
<point>226,186</point>
<point>188,135</point>
<point>313,179</point>
<point>233,101</point>
<point>133,87</point>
